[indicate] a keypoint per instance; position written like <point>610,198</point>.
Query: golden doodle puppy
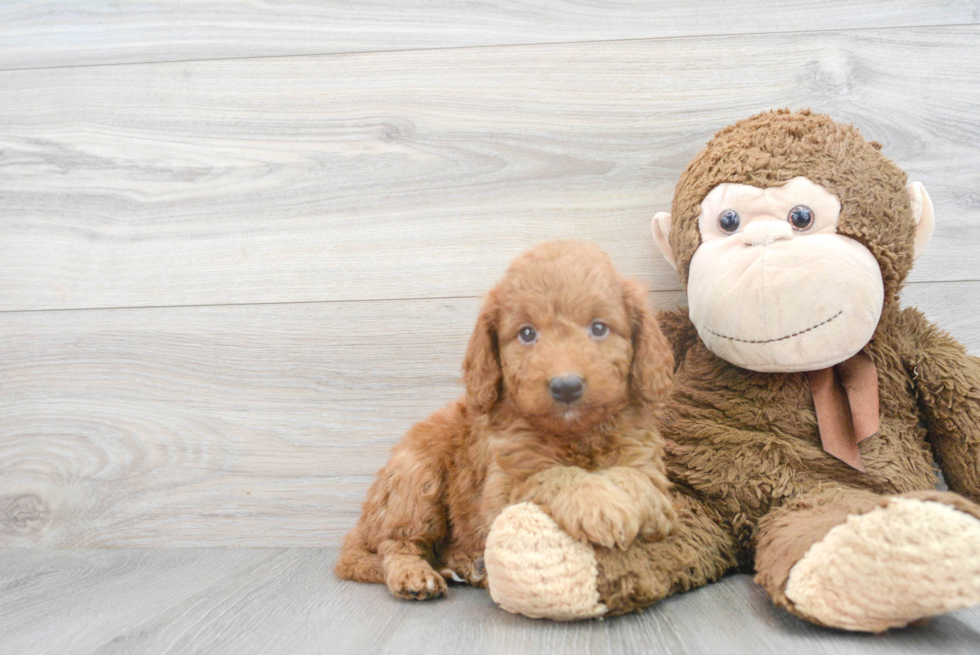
<point>563,373</point>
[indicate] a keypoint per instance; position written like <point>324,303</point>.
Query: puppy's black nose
<point>567,388</point>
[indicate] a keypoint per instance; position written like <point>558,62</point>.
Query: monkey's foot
<point>535,569</point>
<point>905,561</point>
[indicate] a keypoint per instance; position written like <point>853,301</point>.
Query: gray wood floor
<point>279,600</point>
<point>242,245</point>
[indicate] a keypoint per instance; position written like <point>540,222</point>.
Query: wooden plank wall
<point>242,245</point>
<point>46,33</point>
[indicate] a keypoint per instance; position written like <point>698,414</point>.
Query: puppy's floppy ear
<point>653,358</point>
<point>481,368</point>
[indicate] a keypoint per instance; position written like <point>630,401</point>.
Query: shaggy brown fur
<point>753,484</point>
<point>595,465</point>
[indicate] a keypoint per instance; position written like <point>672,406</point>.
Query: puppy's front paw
<point>656,511</point>
<point>659,516</point>
<point>412,578</point>
<point>596,510</point>
<point>469,569</point>
<point>659,523</point>
<point>608,526</point>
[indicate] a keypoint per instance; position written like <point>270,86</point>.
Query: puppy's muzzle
<point>567,388</point>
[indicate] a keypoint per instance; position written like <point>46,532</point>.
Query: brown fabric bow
<point>846,399</point>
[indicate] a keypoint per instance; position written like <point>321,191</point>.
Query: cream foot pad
<point>534,568</point>
<point>906,561</point>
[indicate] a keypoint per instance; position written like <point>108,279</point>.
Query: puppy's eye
<point>729,221</point>
<point>800,217</point>
<point>598,330</point>
<point>527,334</point>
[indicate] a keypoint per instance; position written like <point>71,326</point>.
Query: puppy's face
<point>565,343</point>
<point>566,331</point>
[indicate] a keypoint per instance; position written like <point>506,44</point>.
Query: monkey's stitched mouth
<point>788,336</point>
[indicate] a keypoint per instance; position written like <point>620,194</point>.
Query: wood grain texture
<point>222,426</point>
<point>295,248</point>
<point>240,601</point>
<point>59,33</point>
<point>246,425</point>
<point>420,174</point>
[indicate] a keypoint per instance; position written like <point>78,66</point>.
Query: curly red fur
<point>595,464</point>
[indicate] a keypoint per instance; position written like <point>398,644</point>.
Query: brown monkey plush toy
<point>809,409</point>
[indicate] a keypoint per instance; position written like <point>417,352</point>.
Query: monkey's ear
<point>661,230</point>
<point>481,367</point>
<point>925,219</point>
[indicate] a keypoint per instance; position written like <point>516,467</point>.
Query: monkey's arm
<point>948,382</point>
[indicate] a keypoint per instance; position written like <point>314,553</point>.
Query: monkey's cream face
<point>773,287</point>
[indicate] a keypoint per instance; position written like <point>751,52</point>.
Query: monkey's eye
<point>598,330</point>
<point>729,221</point>
<point>800,217</point>
<point>527,335</point>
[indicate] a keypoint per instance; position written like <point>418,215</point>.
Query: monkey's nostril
<point>567,388</point>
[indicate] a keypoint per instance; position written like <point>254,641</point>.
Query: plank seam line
<point>257,304</point>
<point>502,45</point>
<point>337,301</point>
<point>230,304</point>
